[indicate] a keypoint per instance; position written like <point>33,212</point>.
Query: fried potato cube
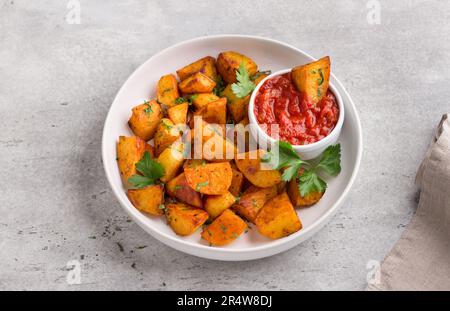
<point>178,188</point>
<point>312,79</point>
<point>130,151</point>
<point>148,199</point>
<point>171,159</point>
<point>211,144</point>
<point>197,83</point>
<point>185,219</point>
<point>205,65</point>
<point>236,183</point>
<point>237,107</point>
<point>214,112</point>
<point>299,201</point>
<point>258,173</point>
<point>200,100</point>
<point>216,204</point>
<point>278,218</point>
<point>145,119</point>
<point>252,200</point>
<point>167,90</point>
<point>228,62</point>
<point>178,113</point>
<point>224,229</point>
<point>210,178</point>
<point>166,134</point>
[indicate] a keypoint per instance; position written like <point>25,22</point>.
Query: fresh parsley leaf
<point>189,100</point>
<point>330,161</point>
<point>150,170</point>
<point>292,171</point>
<point>201,184</point>
<point>309,182</point>
<point>244,86</point>
<point>180,100</point>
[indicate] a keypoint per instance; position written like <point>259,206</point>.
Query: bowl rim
<point>215,252</point>
<point>324,142</point>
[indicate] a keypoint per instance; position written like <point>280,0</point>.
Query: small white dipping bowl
<point>309,151</point>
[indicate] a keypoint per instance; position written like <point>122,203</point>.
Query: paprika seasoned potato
<point>237,107</point>
<point>255,171</point>
<point>130,151</point>
<point>178,188</point>
<point>166,134</point>
<point>178,113</point>
<point>214,112</point>
<point>278,218</point>
<point>200,100</point>
<point>197,83</point>
<point>299,201</point>
<point>210,178</point>
<point>216,204</point>
<point>312,79</point>
<point>205,65</point>
<point>252,200</point>
<point>228,62</point>
<point>224,229</point>
<point>185,219</point>
<point>148,199</point>
<point>236,183</point>
<point>171,159</point>
<point>167,90</point>
<point>145,119</point>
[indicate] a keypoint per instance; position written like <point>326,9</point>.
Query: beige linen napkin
<point>421,258</point>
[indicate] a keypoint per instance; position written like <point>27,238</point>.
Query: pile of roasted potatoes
<point>219,195</point>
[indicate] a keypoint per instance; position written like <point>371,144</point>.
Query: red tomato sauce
<point>300,122</point>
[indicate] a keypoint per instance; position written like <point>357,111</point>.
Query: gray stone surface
<point>58,80</point>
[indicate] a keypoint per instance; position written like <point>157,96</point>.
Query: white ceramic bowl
<point>309,151</point>
<point>268,54</point>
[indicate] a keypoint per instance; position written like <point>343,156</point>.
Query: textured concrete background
<point>58,80</point>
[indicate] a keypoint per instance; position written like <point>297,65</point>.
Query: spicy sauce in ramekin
<point>300,122</point>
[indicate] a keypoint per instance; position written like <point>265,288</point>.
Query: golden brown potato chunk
<point>214,112</point>
<point>252,200</point>
<point>129,151</point>
<point>228,62</point>
<point>209,178</point>
<point>178,188</point>
<point>148,199</point>
<point>178,113</point>
<point>200,100</point>
<point>167,90</point>
<point>145,119</point>
<point>166,134</point>
<point>185,219</point>
<point>237,107</point>
<point>197,83</point>
<point>236,183</point>
<point>205,65</point>
<point>255,171</point>
<point>224,229</point>
<point>172,159</point>
<point>312,79</point>
<point>299,201</point>
<point>216,204</point>
<point>278,218</point>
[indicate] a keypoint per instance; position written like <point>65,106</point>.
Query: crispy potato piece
<point>167,90</point>
<point>210,178</point>
<point>299,201</point>
<point>236,106</point>
<point>216,204</point>
<point>178,113</point>
<point>211,143</point>
<point>145,119</point>
<point>255,171</point>
<point>148,199</point>
<point>228,62</point>
<point>252,200</point>
<point>197,83</point>
<point>200,100</point>
<point>278,218</point>
<point>129,151</point>
<point>178,188</point>
<point>185,219</point>
<point>165,135</point>
<point>205,65</point>
<point>242,136</point>
<point>171,159</point>
<point>236,183</point>
<point>224,229</point>
<point>312,79</point>
<point>214,112</point>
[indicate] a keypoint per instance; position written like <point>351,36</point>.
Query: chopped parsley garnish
<point>188,100</point>
<point>244,84</point>
<point>220,86</point>
<point>150,170</point>
<point>201,184</point>
<point>148,109</point>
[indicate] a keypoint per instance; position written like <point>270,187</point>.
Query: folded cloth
<point>421,258</point>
